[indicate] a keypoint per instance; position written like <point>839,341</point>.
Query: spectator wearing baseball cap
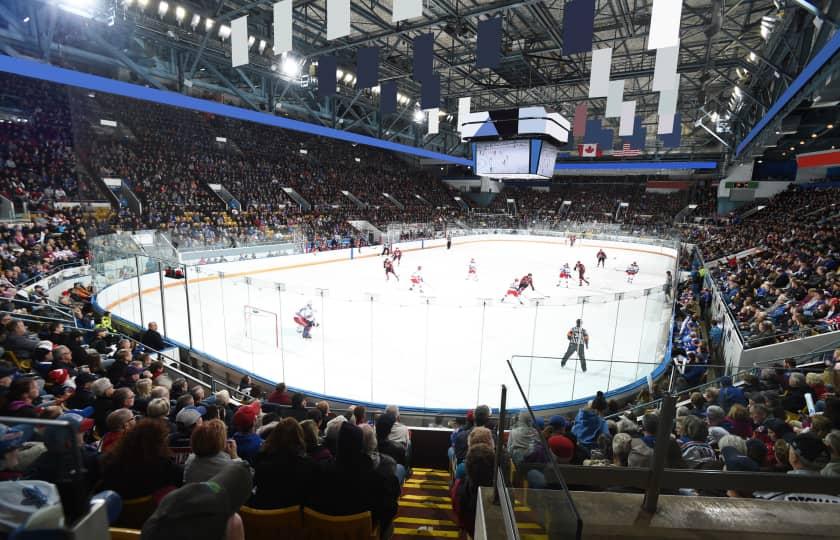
<point>832,441</point>
<point>248,442</point>
<point>141,463</point>
<point>186,421</point>
<point>807,455</point>
<point>206,510</point>
<point>59,456</point>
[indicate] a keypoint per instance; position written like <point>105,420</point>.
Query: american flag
<point>626,151</point>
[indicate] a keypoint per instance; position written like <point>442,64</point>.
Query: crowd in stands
<point>787,285</point>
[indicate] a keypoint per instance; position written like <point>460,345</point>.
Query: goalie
<point>305,319</point>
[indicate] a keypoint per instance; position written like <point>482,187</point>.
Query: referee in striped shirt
<point>577,339</point>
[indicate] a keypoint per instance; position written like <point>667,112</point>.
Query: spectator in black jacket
<point>103,404</point>
<point>152,338</point>
<point>82,397</point>
<point>284,475</point>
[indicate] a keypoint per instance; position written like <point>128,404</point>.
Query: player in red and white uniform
<point>581,270</point>
<point>513,290</point>
<point>472,272</point>
<point>602,259</point>
<point>565,275</point>
<point>417,280</point>
<point>525,282</point>
<point>389,269</point>
<point>572,239</point>
<point>632,270</point>
<point>397,256</point>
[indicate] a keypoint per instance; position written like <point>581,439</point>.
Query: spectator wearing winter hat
<point>735,460</point>
<point>589,423</point>
<point>59,456</point>
<point>245,421</point>
<point>56,380</point>
<point>103,390</point>
<point>83,396</point>
<point>119,421</point>
<point>186,421</point>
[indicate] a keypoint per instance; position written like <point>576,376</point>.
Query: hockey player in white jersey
<point>632,270</point>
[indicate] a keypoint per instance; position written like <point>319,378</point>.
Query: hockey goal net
<point>262,326</point>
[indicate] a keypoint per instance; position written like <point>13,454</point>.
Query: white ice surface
<point>379,342</point>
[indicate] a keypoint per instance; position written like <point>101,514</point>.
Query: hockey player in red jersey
<point>525,282</point>
<point>602,259</point>
<point>572,239</point>
<point>581,270</point>
<point>513,290</point>
<point>397,255</point>
<point>389,269</point>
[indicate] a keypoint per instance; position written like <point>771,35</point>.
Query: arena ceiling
<point>736,58</point>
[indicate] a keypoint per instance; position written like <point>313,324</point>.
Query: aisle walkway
<point>425,508</point>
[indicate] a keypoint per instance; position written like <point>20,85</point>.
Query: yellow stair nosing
<point>430,534</point>
<point>431,498</point>
<point>418,504</point>
<point>425,521</point>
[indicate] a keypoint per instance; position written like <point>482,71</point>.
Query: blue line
<point>810,70</point>
<point>635,165</point>
<point>69,77</point>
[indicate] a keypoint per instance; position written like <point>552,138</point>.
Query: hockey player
<point>602,259</point>
<point>305,318</point>
<point>572,239</point>
<point>525,282</point>
<point>581,270</point>
<point>632,270</point>
<point>565,275</point>
<point>472,272</point>
<point>513,290</point>
<point>389,269</point>
<point>417,280</point>
<point>386,249</point>
<point>397,256</point>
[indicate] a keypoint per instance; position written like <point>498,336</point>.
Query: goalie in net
<point>305,319</point>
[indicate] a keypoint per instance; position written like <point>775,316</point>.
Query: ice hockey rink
<point>445,348</point>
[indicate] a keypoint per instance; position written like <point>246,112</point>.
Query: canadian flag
<point>588,150</point>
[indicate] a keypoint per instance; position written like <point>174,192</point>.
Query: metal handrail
<point>53,271</point>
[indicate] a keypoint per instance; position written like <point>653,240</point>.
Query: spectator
<point>740,421</point>
<point>186,422</point>
<point>211,452</point>
<point>83,396</point>
<point>832,441</point>
<point>589,424</point>
<point>245,425</point>
<point>481,418</point>
<point>19,341</point>
<point>11,439</point>
<point>152,339</point>
<point>478,435</point>
<point>284,475</point>
<point>353,485</point>
<point>141,463</point>
<point>280,396</point>
<point>103,403</point>
<point>730,395</point>
<point>399,432</point>
<point>21,398</point>
<point>119,421</point>
<point>479,465</point>
<point>203,509</point>
<point>694,445</point>
<point>807,454</point>
<point>314,449</point>
<point>524,443</point>
<point>386,446</point>
<point>50,466</point>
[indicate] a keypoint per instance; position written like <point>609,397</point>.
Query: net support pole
<point>139,292</point>
<point>187,295</point>
<point>162,299</point>
<point>660,450</point>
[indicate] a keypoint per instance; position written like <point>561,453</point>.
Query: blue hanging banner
<point>430,92</point>
<point>423,57</point>
<point>367,67</point>
<point>489,51</point>
<point>578,25</point>
<point>326,76</point>
<point>388,97</point>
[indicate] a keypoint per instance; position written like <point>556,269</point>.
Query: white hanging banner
<point>615,97</point>
<point>665,21</point>
<point>599,78</point>
<point>463,111</point>
<point>239,41</point>
<point>665,71</point>
<point>338,19</point>
<point>433,121</point>
<point>407,9</point>
<point>283,26</point>
<point>628,113</point>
